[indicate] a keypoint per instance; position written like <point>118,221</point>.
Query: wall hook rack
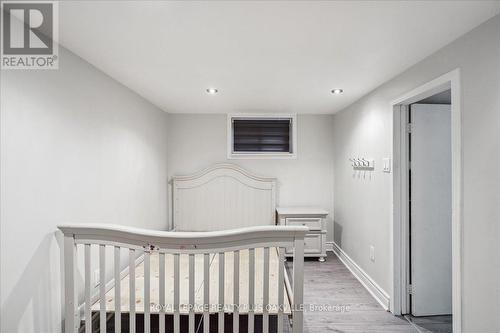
<point>361,163</point>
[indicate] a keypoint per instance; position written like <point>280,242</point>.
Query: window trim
<point>260,155</point>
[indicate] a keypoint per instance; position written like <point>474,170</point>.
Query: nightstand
<point>315,240</point>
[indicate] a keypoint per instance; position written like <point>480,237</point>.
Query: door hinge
<point>409,289</point>
<point>409,127</point>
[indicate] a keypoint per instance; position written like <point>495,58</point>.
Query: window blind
<point>261,135</point>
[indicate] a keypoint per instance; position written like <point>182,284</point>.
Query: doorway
<point>427,205</point>
<point>429,213</point>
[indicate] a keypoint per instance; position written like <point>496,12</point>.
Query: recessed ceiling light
<point>212,91</point>
<point>337,91</point>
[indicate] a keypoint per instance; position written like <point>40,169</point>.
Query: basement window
<point>261,136</point>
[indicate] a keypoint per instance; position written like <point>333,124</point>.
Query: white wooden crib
<point>212,274</point>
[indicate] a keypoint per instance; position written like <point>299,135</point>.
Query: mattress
<point>243,307</point>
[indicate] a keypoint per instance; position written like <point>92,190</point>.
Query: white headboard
<point>222,197</point>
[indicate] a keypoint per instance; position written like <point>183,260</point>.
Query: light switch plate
<point>372,253</point>
<point>386,165</point>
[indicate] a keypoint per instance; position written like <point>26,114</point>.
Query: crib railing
<point>145,241</point>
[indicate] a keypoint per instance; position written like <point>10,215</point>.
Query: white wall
<point>197,141</point>
<point>76,146</point>
<point>363,208</point>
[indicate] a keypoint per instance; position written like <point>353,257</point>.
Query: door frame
<point>400,264</point>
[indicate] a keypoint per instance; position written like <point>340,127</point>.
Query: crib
<point>220,269</point>
<point>194,248</point>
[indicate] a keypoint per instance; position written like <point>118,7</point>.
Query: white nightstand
<point>315,240</point>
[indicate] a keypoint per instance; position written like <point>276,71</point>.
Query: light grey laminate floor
<point>344,305</point>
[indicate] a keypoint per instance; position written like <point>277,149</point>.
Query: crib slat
<point>118,300</point>
<point>298,285</point>
<point>102,287</point>
<point>236,292</point>
<point>88,312</point>
<point>281,287</point>
<point>176,294</point>
<point>221,292</point>
<point>251,289</point>
<point>206,292</point>
<point>147,272</point>
<point>265,300</point>
<point>162,291</point>
<point>131,274</point>
<point>191,293</point>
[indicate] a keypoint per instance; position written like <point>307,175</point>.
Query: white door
<point>430,209</point>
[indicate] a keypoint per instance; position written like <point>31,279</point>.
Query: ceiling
<point>439,98</point>
<point>262,56</point>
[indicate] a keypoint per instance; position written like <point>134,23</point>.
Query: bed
<point>220,270</point>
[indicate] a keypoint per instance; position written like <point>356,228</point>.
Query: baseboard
<point>373,288</point>
<point>329,247</point>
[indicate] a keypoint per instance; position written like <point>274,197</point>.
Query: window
<point>261,136</point>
